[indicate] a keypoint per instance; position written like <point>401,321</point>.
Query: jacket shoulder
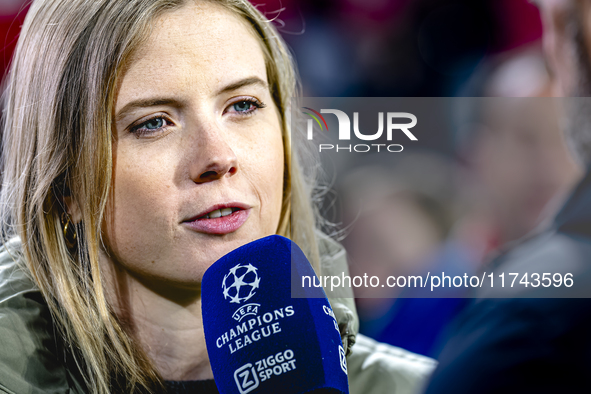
<point>28,355</point>
<point>543,256</point>
<point>373,367</point>
<point>378,368</point>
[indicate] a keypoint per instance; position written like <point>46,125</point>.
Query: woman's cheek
<point>142,204</point>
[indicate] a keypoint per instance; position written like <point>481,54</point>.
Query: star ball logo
<point>392,125</point>
<point>240,283</point>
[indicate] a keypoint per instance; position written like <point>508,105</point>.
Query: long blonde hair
<point>57,134</point>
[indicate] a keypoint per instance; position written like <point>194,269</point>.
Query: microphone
<point>261,340</point>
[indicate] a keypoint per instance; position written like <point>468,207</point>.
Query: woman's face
<point>198,156</point>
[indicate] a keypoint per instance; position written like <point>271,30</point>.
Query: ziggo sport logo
<point>345,130</point>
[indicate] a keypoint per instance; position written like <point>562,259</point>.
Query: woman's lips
<point>213,223</point>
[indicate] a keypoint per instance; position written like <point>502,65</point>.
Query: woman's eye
<point>150,126</point>
<point>154,124</point>
<point>245,107</point>
<point>242,106</point>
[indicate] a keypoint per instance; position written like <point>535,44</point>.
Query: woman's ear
<point>73,209</point>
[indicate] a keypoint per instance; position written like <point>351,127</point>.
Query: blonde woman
<point>143,140</point>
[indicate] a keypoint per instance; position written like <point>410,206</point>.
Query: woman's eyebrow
<point>153,102</point>
<point>241,83</point>
<point>144,103</point>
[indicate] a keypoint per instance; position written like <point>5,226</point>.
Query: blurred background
<point>466,192</point>
<point>400,47</point>
<point>427,48</point>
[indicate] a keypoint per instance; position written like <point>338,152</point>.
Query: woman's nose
<point>214,159</point>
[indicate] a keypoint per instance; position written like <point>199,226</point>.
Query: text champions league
<point>252,330</point>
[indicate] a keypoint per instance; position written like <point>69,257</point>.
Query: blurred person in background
<point>418,215</point>
<point>516,166</point>
<point>398,215</point>
<point>531,344</point>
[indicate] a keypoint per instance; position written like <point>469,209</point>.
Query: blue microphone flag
<point>259,339</point>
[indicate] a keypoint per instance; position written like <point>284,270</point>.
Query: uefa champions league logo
<point>240,284</point>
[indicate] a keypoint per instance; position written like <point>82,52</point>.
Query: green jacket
<point>30,349</point>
